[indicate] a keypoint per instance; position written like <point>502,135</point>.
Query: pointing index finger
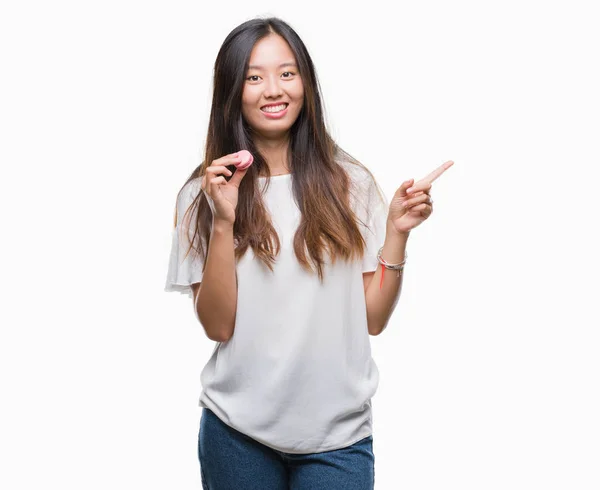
<point>437,172</point>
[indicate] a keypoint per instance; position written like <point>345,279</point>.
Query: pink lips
<point>246,158</point>
<point>276,115</point>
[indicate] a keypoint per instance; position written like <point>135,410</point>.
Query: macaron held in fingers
<point>246,159</point>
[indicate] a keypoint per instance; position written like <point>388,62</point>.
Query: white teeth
<point>276,108</point>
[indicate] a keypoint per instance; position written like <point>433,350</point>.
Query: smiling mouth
<point>274,109</point>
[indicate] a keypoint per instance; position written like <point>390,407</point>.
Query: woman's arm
<point>382,302</point>
<point>215,300</point>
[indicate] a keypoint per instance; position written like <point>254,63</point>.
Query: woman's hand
<point>411,206</point>
<point>222,196</point>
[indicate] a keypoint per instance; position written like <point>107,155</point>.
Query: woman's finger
<point>419,186</point>
<point>215,182</point>
<point>422,198</point>
<point>230,159</point>
<point>419,207</point>
<point>212,172</point>
<point>428,180</point>
<point>217,169</point>
<point>418,193</point>
<point>438,171</point>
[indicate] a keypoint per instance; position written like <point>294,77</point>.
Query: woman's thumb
<point>237,177</point>
<point>401,192</point>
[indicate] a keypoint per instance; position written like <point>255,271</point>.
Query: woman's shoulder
<point>189,191</point>
<point>362,181</point>
<point>186,196</point>
<point>364,188</point>
<point>193,186</point>
<point>358,173</point>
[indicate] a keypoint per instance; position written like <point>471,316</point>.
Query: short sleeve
<point>376,214</point>
<point>184,270</point>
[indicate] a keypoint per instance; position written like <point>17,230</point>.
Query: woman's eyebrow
<point>259,67</point>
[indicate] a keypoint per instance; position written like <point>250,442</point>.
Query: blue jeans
<point>230,460</point>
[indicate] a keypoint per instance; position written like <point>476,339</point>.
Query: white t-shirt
<point>297,375</point>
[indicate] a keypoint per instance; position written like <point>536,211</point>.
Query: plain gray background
<point>489,365</point>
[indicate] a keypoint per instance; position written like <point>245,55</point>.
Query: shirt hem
<point>210,406</point>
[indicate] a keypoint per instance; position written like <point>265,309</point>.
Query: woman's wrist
<point>394,247</point>
<point>391,231</point>
<point>222,226</point>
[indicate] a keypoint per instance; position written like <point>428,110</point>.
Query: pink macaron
<point>246,158</point>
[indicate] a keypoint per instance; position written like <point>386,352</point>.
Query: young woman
<point>286,263</point>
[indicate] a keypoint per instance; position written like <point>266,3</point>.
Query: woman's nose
<point>273,87</point>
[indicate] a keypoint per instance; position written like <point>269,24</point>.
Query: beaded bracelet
<point>396,267</point>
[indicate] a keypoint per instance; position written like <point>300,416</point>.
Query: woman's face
<point>272,79</point>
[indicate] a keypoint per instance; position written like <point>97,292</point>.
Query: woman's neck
<point>276,156</point>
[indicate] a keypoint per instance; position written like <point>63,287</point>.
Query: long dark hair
<point>320,184</point>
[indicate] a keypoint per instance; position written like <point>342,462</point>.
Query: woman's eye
<point>254,78</point>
